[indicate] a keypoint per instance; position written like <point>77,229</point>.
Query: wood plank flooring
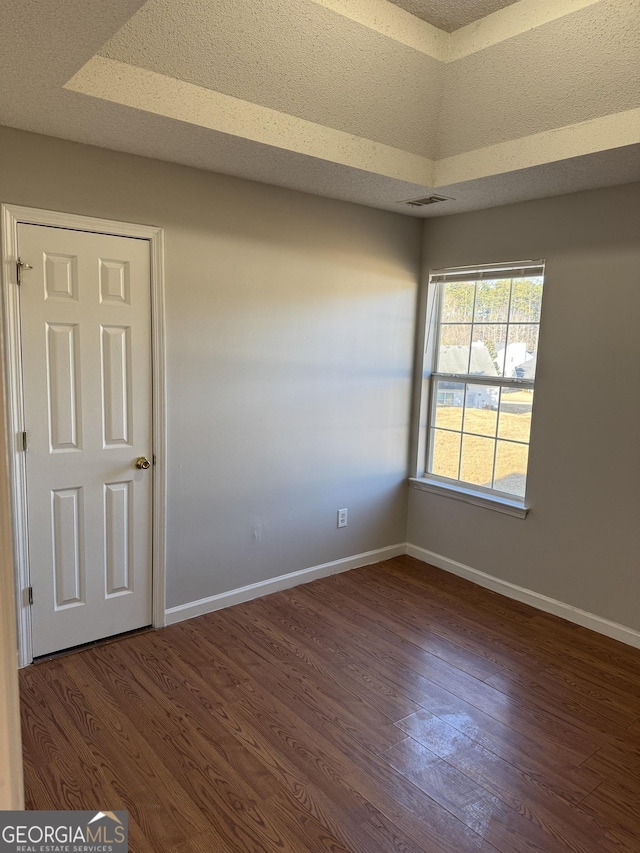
<point>391,708</point>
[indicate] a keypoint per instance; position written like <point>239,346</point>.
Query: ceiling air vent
<point>428,199</point>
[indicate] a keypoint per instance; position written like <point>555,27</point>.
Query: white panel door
<point>86,347</point>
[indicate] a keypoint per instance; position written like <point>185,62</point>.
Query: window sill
<point>460,493</point>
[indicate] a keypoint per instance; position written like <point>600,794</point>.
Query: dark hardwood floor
<point>391,708</point>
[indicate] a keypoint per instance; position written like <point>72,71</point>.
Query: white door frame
<point>11,216</point>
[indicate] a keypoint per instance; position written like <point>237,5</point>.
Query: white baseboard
<point>527,596</point>
<point>255,590</point>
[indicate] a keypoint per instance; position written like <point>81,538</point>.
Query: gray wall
<point>290,345</point>
<point>581,541</point>
<point>290,336</point>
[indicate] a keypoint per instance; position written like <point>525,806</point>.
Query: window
<point>483,347</point>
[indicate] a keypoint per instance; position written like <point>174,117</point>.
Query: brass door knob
<point>143,463</point>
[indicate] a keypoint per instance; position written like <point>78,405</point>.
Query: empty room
<point>319,323</point>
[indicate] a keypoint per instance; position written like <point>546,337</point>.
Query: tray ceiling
<point>352,99</point>
<point>450,15</point>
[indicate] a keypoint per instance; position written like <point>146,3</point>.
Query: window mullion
<point>495,440</point>
<point>473,322</point>
<point>462,420</point>
<point>471,379</point>
<point>506,342</point>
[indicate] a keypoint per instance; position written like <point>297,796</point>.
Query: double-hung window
<point>482,346</point>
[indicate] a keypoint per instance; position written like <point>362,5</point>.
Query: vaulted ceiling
<point>374,101</point>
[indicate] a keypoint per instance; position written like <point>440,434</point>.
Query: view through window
<point>486,348</point>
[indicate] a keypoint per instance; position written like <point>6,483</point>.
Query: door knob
<point>143,463</point>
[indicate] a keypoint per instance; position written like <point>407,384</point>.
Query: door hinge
<point>22,265</point>
<point>25,441</point>
<point>30,595</point>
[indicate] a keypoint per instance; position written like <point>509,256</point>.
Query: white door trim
<point>11,216</point>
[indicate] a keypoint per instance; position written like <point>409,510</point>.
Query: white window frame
<point>426,391</point>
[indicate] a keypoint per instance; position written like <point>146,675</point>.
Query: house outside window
<point>482,348</point>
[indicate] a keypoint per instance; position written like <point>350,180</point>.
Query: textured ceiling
<point>580,67</point>
<point>450,15</point>
<point>352,99</point>
<point>323,68</point>
<point>310,63</point>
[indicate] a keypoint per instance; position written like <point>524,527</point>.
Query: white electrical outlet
<point>342,518</point>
